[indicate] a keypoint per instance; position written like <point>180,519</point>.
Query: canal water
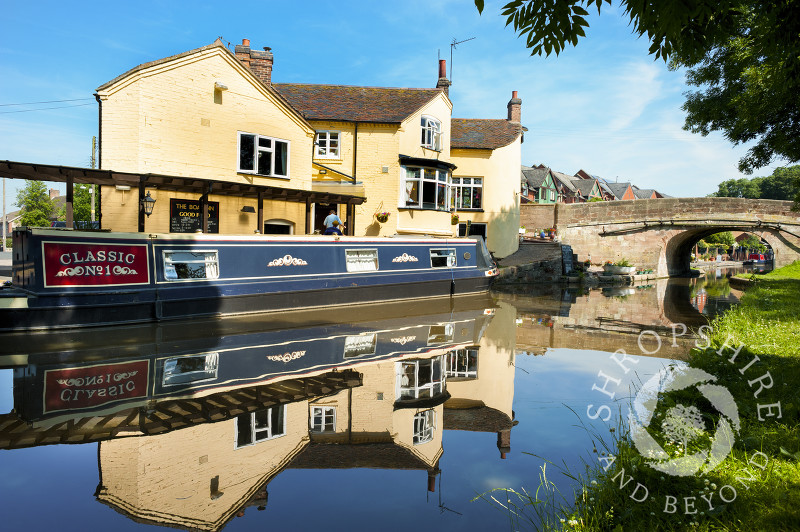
<point>390,417</point>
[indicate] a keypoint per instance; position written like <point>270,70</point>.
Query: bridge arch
<point>659,234</point>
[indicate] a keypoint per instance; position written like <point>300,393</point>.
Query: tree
<point>752,242</point>
<point>82,202</point>
<point>783,184</point>
<point>35,204</point>
<point>724,239</point>
<point>743,54</point>
<point>739,188</point>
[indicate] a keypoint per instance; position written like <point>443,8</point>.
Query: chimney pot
<point>245,42</point>
<point>443,82</point>
<point>515,108</point>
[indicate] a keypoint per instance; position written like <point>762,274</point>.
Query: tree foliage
<point>783,184</point>
<point>82,202</point>
<point>34,201</point>
<point>743,55</point>
<point>724,239</point>
<point>752,242</point>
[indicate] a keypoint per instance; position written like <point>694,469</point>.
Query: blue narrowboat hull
<point>73,279</point>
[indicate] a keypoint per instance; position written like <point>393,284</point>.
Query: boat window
<point>443,258</point>
<point>361,260</point>
<point>194,368</point>
<point>439,334</point>
<point>191,265</point>
<point>363,344</point>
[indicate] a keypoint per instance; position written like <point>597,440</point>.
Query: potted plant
<point>453,219</point>
<point>552,233</point>
<point>382,217</point>
<point>620,267</point>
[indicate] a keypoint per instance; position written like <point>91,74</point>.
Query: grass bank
<point>753,351</point>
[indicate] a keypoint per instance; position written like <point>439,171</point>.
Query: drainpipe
<point>99,130</point>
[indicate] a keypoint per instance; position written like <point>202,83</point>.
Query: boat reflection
<point>194,422</point>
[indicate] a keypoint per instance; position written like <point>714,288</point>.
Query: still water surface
<point>386,417</point>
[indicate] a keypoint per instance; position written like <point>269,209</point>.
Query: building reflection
<point>193,426</point>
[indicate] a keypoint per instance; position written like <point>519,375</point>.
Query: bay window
<point>427,188</point>
<point>263,155</point>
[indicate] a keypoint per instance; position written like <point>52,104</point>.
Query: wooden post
<point>351,219</point>
<point>141,208</point>
<point>69,201</point>
<point>204,206</point>
<point>308,216</point>
<point>260,211</point>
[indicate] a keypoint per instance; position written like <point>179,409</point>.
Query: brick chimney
<point>515,108</point>
<point>259,62</point>
<point>54,193</point>
<point>443,82</point>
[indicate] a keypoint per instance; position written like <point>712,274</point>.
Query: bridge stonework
<point>661,233</point>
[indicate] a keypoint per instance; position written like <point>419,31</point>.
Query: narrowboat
<point>65,278</point>
<point>78,373</point>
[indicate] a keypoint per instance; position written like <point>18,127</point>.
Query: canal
<point>391,417</point>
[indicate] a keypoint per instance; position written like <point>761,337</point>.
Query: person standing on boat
<point>333,230</point>
<point>332,217</point>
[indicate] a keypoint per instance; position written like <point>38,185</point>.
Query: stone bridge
<point>660,234</point>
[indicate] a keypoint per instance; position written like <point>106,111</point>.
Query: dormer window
<point>327,145</point>
<point>431,133</point>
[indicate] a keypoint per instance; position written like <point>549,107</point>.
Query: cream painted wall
<point>169,475</point>
<point>169,119</point>
<point>500,171</point>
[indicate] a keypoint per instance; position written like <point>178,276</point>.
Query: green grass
<point>765,327</point>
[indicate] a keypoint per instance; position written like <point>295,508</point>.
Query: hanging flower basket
<point>454,219</point>
<point>382,217</point>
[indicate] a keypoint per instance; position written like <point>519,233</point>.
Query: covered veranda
<point>191,185</point>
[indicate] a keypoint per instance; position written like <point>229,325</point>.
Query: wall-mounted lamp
<point>220,86</point>
<point>323,171</point>
<point>248,208</point>
<point>123,187</point>
<point>147,204</point>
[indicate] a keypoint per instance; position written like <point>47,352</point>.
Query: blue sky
<point>605,106</point>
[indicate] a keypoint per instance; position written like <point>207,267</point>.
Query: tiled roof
<point>618,189</point>
<point>534,177</point>
<point>356,104</point>
<point>643,193</point>
<point>584,186</point>
<point>566,180</point>
<point>486,134</point>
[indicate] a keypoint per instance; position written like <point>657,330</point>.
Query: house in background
<point>217,115</point>
<point>621,191</point>
<point>538,185</point>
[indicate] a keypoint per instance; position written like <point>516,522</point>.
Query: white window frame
<point>431,129</point>
<point>440,180</point>
<point>424,426</point>
<point>408,390</point>
<point>264,434</point>
<point>323,141</point>
<point>458,363</point>
<point>262,149</point>
<point>459,186</point>
<point>211,261</point>
<point>326,412</point>
<point>448,253</point>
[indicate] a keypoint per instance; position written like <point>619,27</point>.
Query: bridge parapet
<point>660,233</point>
